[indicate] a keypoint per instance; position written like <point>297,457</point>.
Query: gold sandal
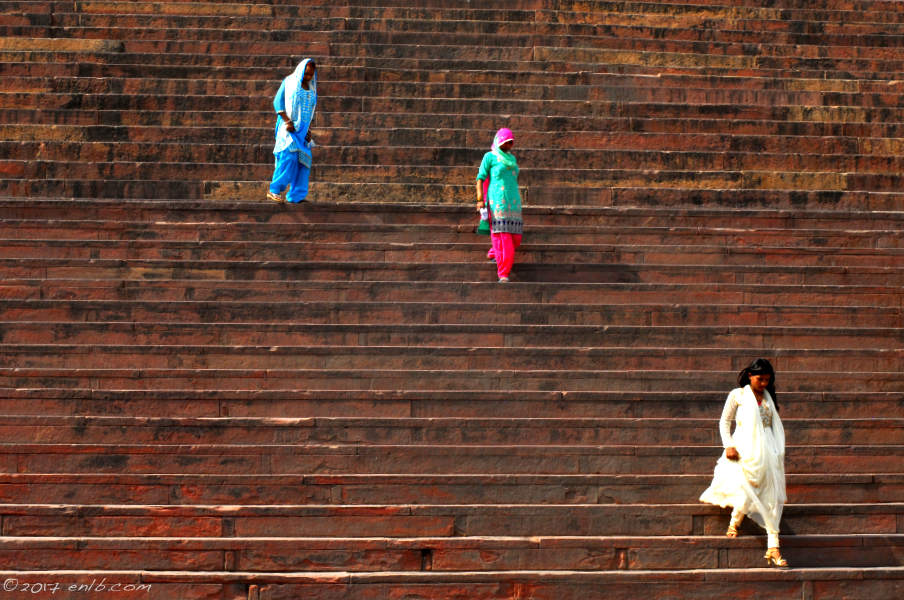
<point>774,559</point>
<point>732,530</point>
<point>274,197</point>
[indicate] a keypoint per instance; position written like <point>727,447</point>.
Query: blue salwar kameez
<point>291,151</point>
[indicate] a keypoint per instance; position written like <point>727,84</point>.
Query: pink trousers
<point>504,246</point>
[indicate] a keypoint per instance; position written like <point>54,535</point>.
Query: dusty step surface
<point>529,253</point>
<point>432,520</point>
<point>249,291</point>
<point>141,235</point>
<point>417,357</point>
<point>234,213</point>
<point>880,582</point>
<point>441,554</point>
<point>472,271</point>
<point>702,402</point>
<point>468,474</point>
<point>448,430</point>
<point>859,343</point>
<point>423,380</point>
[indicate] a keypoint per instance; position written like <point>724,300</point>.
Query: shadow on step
<point>574,273</point>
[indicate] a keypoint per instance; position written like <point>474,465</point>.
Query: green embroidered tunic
<point>503,197</point>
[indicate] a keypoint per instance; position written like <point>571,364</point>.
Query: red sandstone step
<point>384,315</point>
<point>52,233</point>
<point>147,123</point>
<point>458,472</point>
<point>705,401</point>
<point>675,103</point>
<point>574,147</point>
<point>880,583</point>
<point>548,193</point>
<point>422,380</point>
<point>450,430</point>
<point>505,24</point>
<point>406,252</point>
<point>608,88</point>
<point>249,291</point>
<point>421,489</point>
<point>471,271</point>
<point>179,143</point>
<point>441,554</point>
<point>783,341</point>
<point>672,169</point>
<point>425,521</point>
<point>428,358</point>
<point>204,213</point>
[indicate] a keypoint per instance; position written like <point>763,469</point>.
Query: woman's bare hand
<point>732,453</point>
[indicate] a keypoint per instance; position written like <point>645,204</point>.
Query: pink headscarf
<point>502,136</point>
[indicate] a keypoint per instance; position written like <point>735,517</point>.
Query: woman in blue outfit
<point>294,103</point>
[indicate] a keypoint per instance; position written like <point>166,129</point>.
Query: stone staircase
<point>205,395</point>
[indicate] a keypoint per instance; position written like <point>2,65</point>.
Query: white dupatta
<point>755,484</point>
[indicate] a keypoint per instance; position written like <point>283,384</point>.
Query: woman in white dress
<point>750,475</point>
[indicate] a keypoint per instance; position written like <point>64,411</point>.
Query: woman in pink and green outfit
<point>503,200</point>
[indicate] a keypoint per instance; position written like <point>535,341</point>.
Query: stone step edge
<point>424,350</point>
<point>832,576</point>
<point>195,267</point>
<point>262,207</point>
<point>405,422</point>
<point>538,541</point>
<point>125,284</point>
<point>458,328</point>
<point>366,448</point>
<point>255,373</point>
<point>415,396</point>
<point>224,511</point>
<point>458,246</point>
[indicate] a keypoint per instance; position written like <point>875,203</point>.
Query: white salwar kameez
<point>754,485</point>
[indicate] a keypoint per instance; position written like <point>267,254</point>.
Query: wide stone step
<point>483,22</point>
<point>879,582</point>
<point>570,131</point>
<point>605,88</point>
<point>106,142</point>
<point>703,402</point>
<point>448,430</point>
<point>614,272</point>
<point>137,234</point>
<point>331,458</point>
<point>422,380</point>
<point>178,290</point>
<point>58,50</point>
<point>50,233</point>
<point>794,160</point>
<point>404,251</point>
<point>859,344</point>
<point>426,521</point>
<point>347,71</point>
<point>395,313</point>
<point>212,180</point>
<point>679,106</point>
<point>441,554</point>
<point>424,357</point>
<point>174,144</point>
<point>203,214</point>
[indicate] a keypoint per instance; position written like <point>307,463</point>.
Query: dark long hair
<point>760,366</point>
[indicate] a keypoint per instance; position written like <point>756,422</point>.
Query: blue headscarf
<point>300,106</point>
